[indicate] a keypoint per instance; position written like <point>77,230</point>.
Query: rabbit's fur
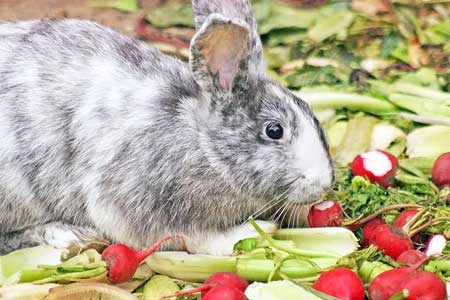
<point>103,136</point>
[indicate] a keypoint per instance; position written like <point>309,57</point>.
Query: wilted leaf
<point>372,7</point>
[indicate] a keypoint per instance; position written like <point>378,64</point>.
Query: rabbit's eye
<point>274,131</point>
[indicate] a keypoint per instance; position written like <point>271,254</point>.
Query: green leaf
<point>246,244</point>
<point>122,5</point>
<point>175,14</point>
<point>273,16</point>
<point>390,42</point>
<point>331,25</point>
<point>158,286</point>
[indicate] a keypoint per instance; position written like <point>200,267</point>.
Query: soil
<point>13,10</point>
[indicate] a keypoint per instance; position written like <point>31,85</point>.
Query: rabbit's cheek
<point>311,158</point>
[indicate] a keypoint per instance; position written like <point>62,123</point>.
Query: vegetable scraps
<point>341,283</point>
<point>122,261</point>
<point>325,214</point>
<point>378,166</point>
<point>441,167</point>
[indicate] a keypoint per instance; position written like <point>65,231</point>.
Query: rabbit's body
<point>102,134</point>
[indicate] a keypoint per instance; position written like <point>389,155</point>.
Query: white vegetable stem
<point>436,245</point>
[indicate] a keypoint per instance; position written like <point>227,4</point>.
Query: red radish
<point>123,261</point>
<point>392,240</point>
<point>228,279</point>
<point>223,292</point>
<point>411,257</point>
<point>391,282</point>
<point>378,166</point>
<point>441,170</point>
<point>388,283</point>
<point>435,245</point>
<point>341,283</point>
<point>404,217</point>
<point>325,214</point>
<point>424,285</point>
<point>368,230</point>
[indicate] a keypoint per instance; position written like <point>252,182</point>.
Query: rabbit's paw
<point>222,244</point>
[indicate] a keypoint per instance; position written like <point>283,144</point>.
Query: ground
<point>13,10</point>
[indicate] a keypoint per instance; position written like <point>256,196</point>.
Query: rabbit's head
<point>257,134</point>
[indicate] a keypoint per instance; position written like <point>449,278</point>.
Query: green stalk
<point>420,105</point>
<point>14,263</point>
<point>196,268</point>
<point>412,89</point>
<point>356,102</point>
<point>189,267</point>
<point>291,250</point>
<point>72,276</point>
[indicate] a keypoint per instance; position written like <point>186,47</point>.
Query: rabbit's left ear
<point>220,53</point>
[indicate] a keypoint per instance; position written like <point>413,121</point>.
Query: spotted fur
<point>103,133</point>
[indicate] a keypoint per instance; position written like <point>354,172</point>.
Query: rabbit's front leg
<point>222,243</point>
<point>55,234</point>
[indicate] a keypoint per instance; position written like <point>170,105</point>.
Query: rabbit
<point>104,137</point>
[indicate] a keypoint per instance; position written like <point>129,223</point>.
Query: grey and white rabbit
<point>102,135</point>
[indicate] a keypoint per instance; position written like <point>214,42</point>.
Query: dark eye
<point>274,131</point>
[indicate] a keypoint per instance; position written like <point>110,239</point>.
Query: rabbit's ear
<point>234,9</point>
<point>220,53</point>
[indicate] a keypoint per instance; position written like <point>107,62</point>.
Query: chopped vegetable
<point>224,292</point>
<point>280,290</point>
<point>222,278</point>
<point>436,245</point>
<point>404,217</point>
<point>392,240</point>
<point>341,283</point>
<point>411,257</point>
<point>325,214</point>
<point>441,170</point>
<point>158,287</point>
<point>89,290</point>
<point>15,265</point>
<point>122,261</point>
<point>388,283</point>
<point>429,141</point>
<point>369,229</point>
<point>424,285</point>
<point>378,166</point>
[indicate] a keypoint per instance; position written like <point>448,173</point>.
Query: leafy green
<point>176,14</point>
<point>122,5</point>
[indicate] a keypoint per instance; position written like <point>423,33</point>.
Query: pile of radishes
<point>396,240</point>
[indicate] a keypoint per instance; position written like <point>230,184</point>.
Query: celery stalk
<point>196,268</point>
<point>15,263</point>
<point>260,269</point>
<point>331,239</point>
<point>283,290</point>
<point>190,267</point>
<point>420,105</point>
<point>430,141</point>
<point>334,100</point>
<point>408,88</point>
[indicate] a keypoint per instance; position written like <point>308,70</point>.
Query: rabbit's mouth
<point>306,193</point>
